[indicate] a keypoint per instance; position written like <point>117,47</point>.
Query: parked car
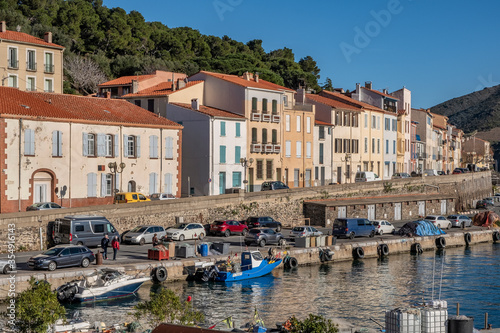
<point>184,231</point>
<point>128,197</point>
<point>43,206</point>
<point>480,204</point>
<point>489,201</point>
<point>460,221</point>
<point>441,173</point>
<point>457,171</point>
<point>62,256</point>
<point>383,227</point>
<point>262,221</point>
<point>399,175</point>
<point>269,186</point>
<point>465,170</point>
<point>352,227</point>
<point>439,221</point>
<point>6,267</point>
<point>263,236</point>
<point>304,231</point>
<point>162,196</point>
<point>430,172</point>
<point>143,234</point>
<point>82,230</point>
<point>227,228</point>
<point>366,176</point>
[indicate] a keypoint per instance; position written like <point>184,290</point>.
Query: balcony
<point>31,66</point>
<point>266,118</point>
<point>256,148</point>
<point>277,149</point>
<point>256,117</point>
<point>299,107</point>
<point>49,68</point>
<point>268,149</point>
<point>12,64</point>
<point>421,155</point>
<point>276,118</point>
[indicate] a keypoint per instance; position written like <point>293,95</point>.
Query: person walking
<point>104,246</point>
<point>115,244</point>
<point>155,240</point>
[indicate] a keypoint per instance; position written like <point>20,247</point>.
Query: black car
<point>481,204</point>
<point>262,221</point>
<point>269,186</point>
<point>62,256</point>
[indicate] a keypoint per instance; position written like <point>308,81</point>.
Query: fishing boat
<point>103,284</point>
<point>253,265</point>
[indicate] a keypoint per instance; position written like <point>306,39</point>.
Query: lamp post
<point>116,168</point>
<point>245,163</point>
<point>347,159</point>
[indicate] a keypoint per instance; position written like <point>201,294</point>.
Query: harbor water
<point>349,292</point>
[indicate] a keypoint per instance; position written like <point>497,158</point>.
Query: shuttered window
<point>29,142</point>
<point>57,143</point>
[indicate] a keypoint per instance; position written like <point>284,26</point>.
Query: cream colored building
<point>30,63</point>
<point>63,148</point>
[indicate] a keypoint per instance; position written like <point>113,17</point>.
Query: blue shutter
<point>54,143</point>
<point>237,179</point>
<point>237,154</point>
<point>222,128</point>
<point>116,144</point>
<point>103,184</point>
<point>85,144</point>
<point>222,158</point>
<point>138,145</point>
<point>125,145</point>
<point>238,132</point>
<point>101,145</point>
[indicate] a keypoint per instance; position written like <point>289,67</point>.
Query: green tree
<point>328,85</point>
<point>313,324</point>
<point>166,307</point>
<point>37,308</point>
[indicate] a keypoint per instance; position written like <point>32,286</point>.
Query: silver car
<point>263,236</point>
<point>43,206</point>
<point>439,221</point>
<point>460,221</point>
<point>143,234</point>
<point>304,231</point>
<point>5,266</point>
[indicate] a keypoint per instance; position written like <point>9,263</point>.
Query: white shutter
<point>117,182</point>
<point>308,150</point>
<point>151,146</point>
<point>90,179</point>
<point>103,184</point>
<point>168,183</point>
<point>94,184</point>
<point>85,144</point>
<point>116,143</point>
<point>153,178</point>
<point>138,145</point>
<point>59,143</point>
<point>155,146</point>
<point>54,143</point>
<point>101,144</point>
<point>169,147</point>
<point>125,145</point>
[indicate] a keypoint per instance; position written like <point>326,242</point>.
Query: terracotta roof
<point>126,80</point>
<point>401,111</point>
<point>162,89</point>
<point>323,123</point>
<point>439,120</point>
<point>262,84</point>
<point>25,38</point>
<point>76,108</point>
<point>332,102</point>
<point>212,112</point>
<point>381,93</point>
<point>349,100</point>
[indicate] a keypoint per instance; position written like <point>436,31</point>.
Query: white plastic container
<point>434,320</point>
<point>403,321</point>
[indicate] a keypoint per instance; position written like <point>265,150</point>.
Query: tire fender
<point>383,250</point>
<point>416,248</point>
<point>467,238</point>
<point>441,242</point>
<point>496,236</point>
<point>159,274</point>
<point>328,255</point>
<point>358,253</point>
<point>293,262</point>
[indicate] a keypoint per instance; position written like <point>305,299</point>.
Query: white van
<point>366,176</point>
<point>430,172</point>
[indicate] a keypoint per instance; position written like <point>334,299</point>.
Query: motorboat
<point>75,324</point>
<point>252,265</point>
<point>102,284</point>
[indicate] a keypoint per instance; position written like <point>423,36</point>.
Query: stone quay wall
<point>285,206</point>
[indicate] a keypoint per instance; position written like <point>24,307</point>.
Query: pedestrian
<point>104,246</point>
<point>155,240</point>
<point>115,244</point>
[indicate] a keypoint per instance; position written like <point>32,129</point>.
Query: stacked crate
<point>403,321</point>
<point>434,317</point>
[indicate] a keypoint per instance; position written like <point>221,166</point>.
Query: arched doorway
<point>42,187</point>
<point>131,186</point>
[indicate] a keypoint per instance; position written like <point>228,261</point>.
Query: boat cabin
<point>250,259</point>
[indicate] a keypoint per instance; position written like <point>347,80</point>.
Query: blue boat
<point>253,265</point>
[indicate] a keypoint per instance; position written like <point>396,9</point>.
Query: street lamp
<point>245,163</point>
<point>347,159</point>
<point>116,168</point>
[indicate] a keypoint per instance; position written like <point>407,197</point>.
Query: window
<point>237,154</point>
<point>108,145</point>
<point>321,130</point>
<point>366,145</point>
<point>29,142</point>
<point>378,146</point>
<point>347,119</point>
<point>355,120</point>
<point>387,124</point>
<point>30,60</point>
<point>48,85</point>
<point>320,155</point>
<point>89,142</point>
<point>151,105</point>
<point>260,171</point>
<point>56,143</point>
<point>298,123</point>
<point>288,148</point>
<point>168,183</point>
<point>308,149</point>
<point>373,145</point>
<point>264,105</point>
<point>131,145</point>
<point>355,146</point>
<point>287,123</point>
<point>338,145</point>
<point>92,184</point>
<point>378,123</point>
<point>13,81</point>
<point>429,121</point>
<point>222,154</point>
<point>254,135</point>
<point>274,136</point>
<point>153,181</point>
<point>347,146</point>
<point>169,147</point>
<point>153,147</point>
<point>308,125</point>
<point>338,118</point>
<point>49,62</point>
<point>238,130</point>
<point>264,136</point>
<point>237,179</point>
<point>13,62</point>
<point>366,120</point>
<point>137,102</point>
<point>285,101</point>
<point>387,146</point>
<point>374,122</point>
<point>269,169</point>
<point>275,106</point>
<point>299,149</point>
<point>31,83</point>
<point>394,125</point>
<point>222,128</point>
<point>106,184</point>
<point>394,146</point>
<point>254,103</point>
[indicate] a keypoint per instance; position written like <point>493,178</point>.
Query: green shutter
<point>222,154</point>
<point>237,154</point>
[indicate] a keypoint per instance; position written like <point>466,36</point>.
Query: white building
<point>323,153</point>
<point>390,145</point>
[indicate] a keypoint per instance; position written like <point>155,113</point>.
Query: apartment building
<point>425,135</point>
<point>323,153</point>
<point>31,63</point>
<point>404,154</point>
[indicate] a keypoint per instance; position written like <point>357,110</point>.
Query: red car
<point>227,228</point>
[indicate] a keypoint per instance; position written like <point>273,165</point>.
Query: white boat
<point>103,284</point>
<point>76,324</point>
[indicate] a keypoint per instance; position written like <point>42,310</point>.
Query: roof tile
<point>162,89</point>
<point>25,38</point>
<point>210,111</point>
<point>262,84</point>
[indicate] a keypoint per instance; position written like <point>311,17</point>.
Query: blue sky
<point>437,49</point>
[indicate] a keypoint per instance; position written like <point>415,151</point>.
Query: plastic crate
<point>157,254</point>
<point>403,321</point>
<point>222,248</point>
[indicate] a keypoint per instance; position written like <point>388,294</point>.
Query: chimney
<point>301,96</point>
<point>181,83</point>
<point>3,27</point>
<point>368,84</point>
<point>107,94</point>
<point>48,37</point>
<point>173,81</point>
<point>195,105</point>
<point>386,91</point>
<point>246,76</point>
<point>256,77</point>
<point>135,86</point>
<point>357,88</point>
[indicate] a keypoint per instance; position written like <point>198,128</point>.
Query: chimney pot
<point>48,37</point>
<point>195,105</point>
<point>256,77</point>
<point>368,84</point>
<point>3,27</point>
<point>135,86</point>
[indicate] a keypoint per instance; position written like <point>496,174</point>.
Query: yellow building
<point>32,64</point>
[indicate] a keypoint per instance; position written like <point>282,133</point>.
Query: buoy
<point>467,238</point>
<point>496,236</point>
<point>159,274</point>
<point>440,242</point>
<point>189,298</point>
<point>383,250</point>
<point>358,253</point>
<point>416,248</point>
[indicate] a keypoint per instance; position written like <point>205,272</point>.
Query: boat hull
<point>263,269</point>
<point>121,289</point>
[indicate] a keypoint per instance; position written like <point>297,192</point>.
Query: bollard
<point>98,258</point>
